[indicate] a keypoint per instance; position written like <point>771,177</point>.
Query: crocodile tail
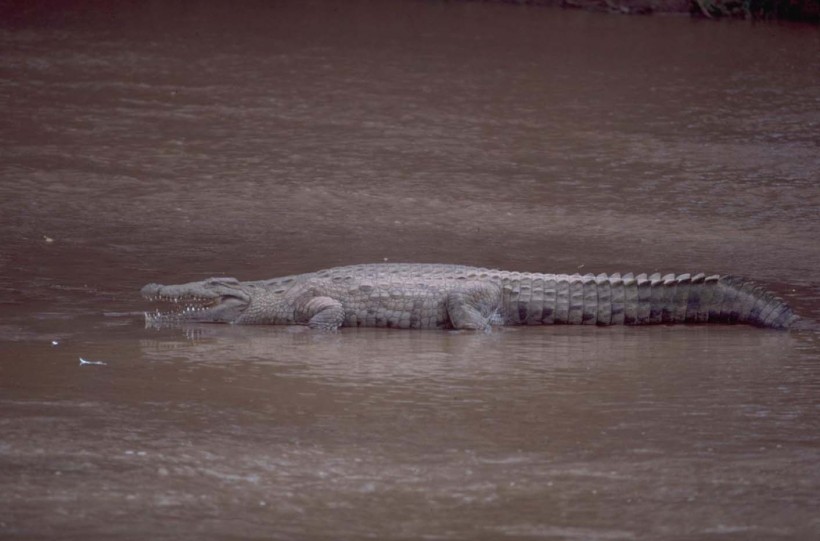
<point>745,301</point>
<point>644,299</point>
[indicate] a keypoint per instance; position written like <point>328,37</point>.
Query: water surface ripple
<point>171,142</point>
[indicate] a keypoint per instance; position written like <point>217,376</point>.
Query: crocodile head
<point>215,300</point>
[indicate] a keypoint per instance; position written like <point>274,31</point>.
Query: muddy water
<point>172,143</point>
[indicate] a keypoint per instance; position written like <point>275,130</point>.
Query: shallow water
<point>172,143</point>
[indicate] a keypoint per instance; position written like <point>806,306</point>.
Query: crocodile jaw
<point>218,300</point>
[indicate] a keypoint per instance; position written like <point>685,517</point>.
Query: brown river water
<point>171,142</point>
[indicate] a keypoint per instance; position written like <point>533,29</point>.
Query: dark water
<point>154,142</point>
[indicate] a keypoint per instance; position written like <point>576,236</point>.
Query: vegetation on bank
<point>795,10</point>
<point>806,10</point>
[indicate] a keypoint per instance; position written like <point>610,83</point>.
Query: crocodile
<point>436,296</point>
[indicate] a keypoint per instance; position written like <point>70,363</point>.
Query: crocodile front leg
<point>473,306</point>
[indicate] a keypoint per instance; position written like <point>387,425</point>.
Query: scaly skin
<point>421,296</point>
